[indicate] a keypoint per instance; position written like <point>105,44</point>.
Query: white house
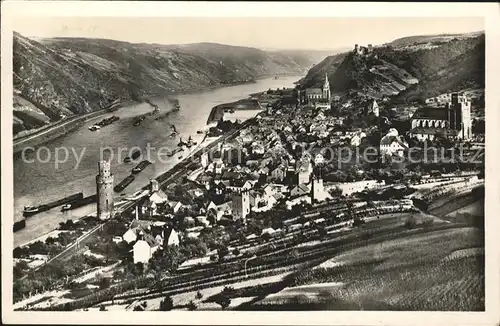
<point>357,137</point>
<point>129,236</point>
<point>278,173</point>
<point>319,159</point>
<point>176,206</point>
<point>170,237</point>
<point>144,248</point>
<point>392,144</point>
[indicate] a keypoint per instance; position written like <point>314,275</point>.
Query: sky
<point>265,33</point>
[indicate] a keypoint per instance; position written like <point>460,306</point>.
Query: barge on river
<point>19,225</point>
<point>132,157</point>
<point>124,184</point>
<point>141,166</point>
<point>32,210</point>
<point>79,203</point>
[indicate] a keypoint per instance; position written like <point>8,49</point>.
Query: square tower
<point>240,205</point>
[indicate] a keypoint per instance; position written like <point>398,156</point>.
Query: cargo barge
<point>107,121</point>
<point>172,153</point>
<point>19,225</point>
<point>124,184</point>
<point>32,210</point>
<point>132,157</point>
<point>141,166</point>
<point>79,203</point>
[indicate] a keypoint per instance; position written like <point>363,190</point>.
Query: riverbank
<point>217,111</point>
<point>40,181</point>
<point>61,128</point>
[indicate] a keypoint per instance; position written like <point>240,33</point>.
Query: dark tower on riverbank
<point>104,183</point>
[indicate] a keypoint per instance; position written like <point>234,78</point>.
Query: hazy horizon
<point>274,34</point>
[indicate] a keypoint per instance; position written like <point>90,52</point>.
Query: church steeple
<point>326,88</point>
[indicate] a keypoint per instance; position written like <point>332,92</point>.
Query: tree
<point>410,222</point>
<point>168,259</point>
<point>192,306</point>
<point>102,308</point>
<point>104,283</point>
<point>322,232</point>
<point>222,252</point>
<point>224,301</point>
<point>166,304</point>
<point>199,295</point>
<point>139,268</point>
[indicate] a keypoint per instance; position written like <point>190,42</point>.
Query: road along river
<point>42,181</point>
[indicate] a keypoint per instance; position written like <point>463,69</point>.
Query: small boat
<point>180,157</point>
<point>94,128</point>
<point>134,155</point>
<point>172,153</point>
<point>29,210</point>
<point>79,203</point>
<point>32,210</point>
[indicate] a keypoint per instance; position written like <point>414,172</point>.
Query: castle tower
<point>240,205</point>
<point>104,183</point>
<point>317,187</point>
<point>459,116</point>
<point>326,89</point>
<point>461,107</point>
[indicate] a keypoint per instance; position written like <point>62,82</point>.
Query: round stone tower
<point>104,182</point>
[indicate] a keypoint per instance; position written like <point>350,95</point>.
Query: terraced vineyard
<point>385,276</point>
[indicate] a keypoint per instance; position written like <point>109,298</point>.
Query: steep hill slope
<point>407,69</point>
<point>66,76</point>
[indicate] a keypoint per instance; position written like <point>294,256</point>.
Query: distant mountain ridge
<point>410,68</point>
<point>66,76</point>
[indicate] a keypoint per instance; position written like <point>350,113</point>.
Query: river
<point>42,181</point>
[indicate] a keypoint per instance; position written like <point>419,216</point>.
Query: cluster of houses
<point>260,168</point>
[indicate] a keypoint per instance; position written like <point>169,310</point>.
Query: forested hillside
<point>59,77</point>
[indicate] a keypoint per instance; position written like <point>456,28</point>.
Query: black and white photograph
<point>193,161</point>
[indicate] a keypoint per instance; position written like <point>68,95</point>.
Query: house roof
<point>431,113</point>
<point>150,240</point>
<point>434,131</point>
<point>302,188</point>
<point>140,223</point>
<point>388,140</point>
<point>311,91</point>
<point>158,197</point>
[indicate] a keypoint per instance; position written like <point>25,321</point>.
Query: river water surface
<point>40,181</point>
